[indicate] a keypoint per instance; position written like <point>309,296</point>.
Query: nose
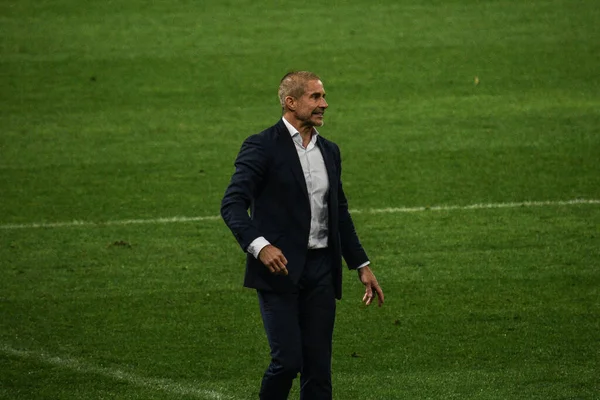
<point>323,103</point>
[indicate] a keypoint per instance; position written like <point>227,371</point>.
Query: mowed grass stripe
<point>72,364</point>
<point>391,210</point>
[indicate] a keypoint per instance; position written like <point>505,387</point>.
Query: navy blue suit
<point>269,181</point>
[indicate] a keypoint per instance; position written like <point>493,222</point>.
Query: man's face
<point>311,106</point>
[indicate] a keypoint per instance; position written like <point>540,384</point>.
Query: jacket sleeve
<point>352,249</point>
<point>250,170</point>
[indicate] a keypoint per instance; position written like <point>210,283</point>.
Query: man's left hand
<point>372,288</point>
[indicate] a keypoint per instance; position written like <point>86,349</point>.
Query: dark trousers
<point>299,328</point>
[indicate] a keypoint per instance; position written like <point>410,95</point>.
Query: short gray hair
<point>294,84</point>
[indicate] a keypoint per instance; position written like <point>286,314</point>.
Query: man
<point>297,232</point>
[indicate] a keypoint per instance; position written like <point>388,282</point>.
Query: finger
<point>273,265</point>
<point>277,266</point>
<point>368,298</point>
<point>380,295</point>
<point>276,270</point>
<point>280,265</point>
<point>282,271</point>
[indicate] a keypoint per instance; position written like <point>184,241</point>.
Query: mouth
<point>319,114</point>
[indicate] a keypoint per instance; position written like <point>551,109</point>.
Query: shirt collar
<point>293,131</point>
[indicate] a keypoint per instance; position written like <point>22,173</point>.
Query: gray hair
<point>294,84</point>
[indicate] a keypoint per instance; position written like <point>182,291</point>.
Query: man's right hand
<point>273,259</point>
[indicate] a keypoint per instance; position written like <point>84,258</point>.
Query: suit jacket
<point>269,180</point>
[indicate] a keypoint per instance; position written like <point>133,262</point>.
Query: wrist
<point>363,270</point>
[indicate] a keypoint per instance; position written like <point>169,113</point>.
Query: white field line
<point>71,364</point>
<point>76,223</point>
<point>478,206</point>
<point>391,210</point>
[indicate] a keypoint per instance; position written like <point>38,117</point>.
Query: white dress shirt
<point>317,185</point>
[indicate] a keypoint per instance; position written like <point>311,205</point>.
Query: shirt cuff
<point>257,245</point>
<point>363,265</point>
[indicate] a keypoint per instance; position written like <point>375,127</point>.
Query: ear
<point>290,103</point>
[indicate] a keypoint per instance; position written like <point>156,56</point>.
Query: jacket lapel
<point>288,150</point>
<point>329,165</point>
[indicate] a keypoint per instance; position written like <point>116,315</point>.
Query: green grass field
<point>117,114</point>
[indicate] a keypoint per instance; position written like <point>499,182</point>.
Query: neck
<point>306,131</point>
